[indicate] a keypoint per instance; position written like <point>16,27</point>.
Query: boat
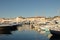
<point>6,28</point>
<point>5,25</point>
<point>5,31</point>
<point>54,32</point>
<point>9,25</point>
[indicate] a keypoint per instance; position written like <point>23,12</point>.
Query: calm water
<point>23,33</point>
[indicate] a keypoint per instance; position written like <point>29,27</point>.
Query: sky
<point>29,8</point>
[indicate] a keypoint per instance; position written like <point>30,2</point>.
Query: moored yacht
<point>55,32</point>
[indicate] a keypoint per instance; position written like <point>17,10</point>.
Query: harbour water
<point>24,33</point>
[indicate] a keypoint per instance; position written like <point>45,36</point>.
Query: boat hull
<point>56,33</point>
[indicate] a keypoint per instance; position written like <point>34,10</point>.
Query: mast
<point>58,12</point>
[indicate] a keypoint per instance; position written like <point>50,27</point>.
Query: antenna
<point>43,12</point>
<point>58,12</point>
<point>36,13</point>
